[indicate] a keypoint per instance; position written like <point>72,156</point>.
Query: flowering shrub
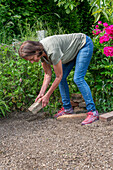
<point>105,33</point>
<point>100,73</point>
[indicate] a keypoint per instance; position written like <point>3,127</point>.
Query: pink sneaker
<point>59,112</point>
<point>63,111</point>
<point>91,117</point>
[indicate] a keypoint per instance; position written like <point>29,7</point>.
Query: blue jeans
<point>81,64</point>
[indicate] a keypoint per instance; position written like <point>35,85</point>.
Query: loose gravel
<point>41,143</point>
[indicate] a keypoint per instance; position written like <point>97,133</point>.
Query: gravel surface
<point>41,143</point>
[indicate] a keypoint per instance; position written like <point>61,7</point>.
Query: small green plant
<point>4,108</point>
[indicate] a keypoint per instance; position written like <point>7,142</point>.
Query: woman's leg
<point>63,86</point>
<point>82,63</point>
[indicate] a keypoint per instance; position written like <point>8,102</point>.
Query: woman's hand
<point>45,100</point>
<point>38,97</point>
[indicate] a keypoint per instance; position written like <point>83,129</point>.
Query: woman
<point>63,52</point>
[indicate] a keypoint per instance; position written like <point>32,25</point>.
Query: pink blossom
<point>105,24</point>
<point>109,30</point>
<point>111,37</point>
<point>108,51</point>
<point>99,22</point>
<point>104,38</point>
<point>96,31</point>
<point>97,26</point>
<point>20,80</point>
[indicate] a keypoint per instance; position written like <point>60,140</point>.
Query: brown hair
<point>29,48</point>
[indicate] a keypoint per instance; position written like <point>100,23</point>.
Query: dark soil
<point>40,143</point>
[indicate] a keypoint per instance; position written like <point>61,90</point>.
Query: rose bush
<point>100,73</point>
<point>105,35</point>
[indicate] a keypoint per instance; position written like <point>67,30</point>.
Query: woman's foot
<point>91,117</point>
<point>63,111</point>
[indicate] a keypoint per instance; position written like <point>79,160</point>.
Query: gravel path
<point>44,144</point>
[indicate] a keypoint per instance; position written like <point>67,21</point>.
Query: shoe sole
<point>90,122</point>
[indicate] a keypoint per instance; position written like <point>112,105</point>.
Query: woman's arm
<point>46,81</point>
<point>59,73</point>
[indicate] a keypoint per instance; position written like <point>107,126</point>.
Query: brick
<point>74,104</point>
<point>79,110</point>
<point>76,96</point>
<point>35,107</point>
<point>106,117</point>
<point>78,100</point>
<point>72,116</point>
<point>82,104</point>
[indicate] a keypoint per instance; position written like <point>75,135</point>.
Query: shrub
<point>100,74</point>
<point>20,80</point>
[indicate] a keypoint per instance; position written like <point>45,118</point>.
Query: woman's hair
<point>29,48</point>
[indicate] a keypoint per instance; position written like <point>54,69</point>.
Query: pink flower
<point>99,22</point>
<point>104,38</point>
<point>109,30</point>
<point>20,80</point>
<point>97,26</point>
<point>111,37</point>
<point>108,51</point>
<point>96,31</point>
<point>105,24</point>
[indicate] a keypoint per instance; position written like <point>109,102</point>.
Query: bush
<point>100,73</point>
<point>20,80</point>
<point>14,15</point>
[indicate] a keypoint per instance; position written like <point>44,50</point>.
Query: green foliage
<point>15,15</point>
<point>20,80</point>
<point>85,18</point>
<point>16,75</point>
<point>98,7</point>
<point>102,8</point>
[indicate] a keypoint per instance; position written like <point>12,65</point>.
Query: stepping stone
<point>106,117</point>
<point>72,116</point>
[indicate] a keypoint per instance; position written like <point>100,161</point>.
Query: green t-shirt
<point>64,47</point>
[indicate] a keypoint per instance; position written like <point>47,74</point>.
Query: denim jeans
<point>81,64</point>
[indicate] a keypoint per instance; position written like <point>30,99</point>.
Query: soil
<point>42,143</point>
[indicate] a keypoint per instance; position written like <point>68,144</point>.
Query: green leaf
<point>105,14</point>
<point>96,12</point>
<point>66,5</point>
<point>3,112</point>
<point>71,6</point>
<point>67,11</point>
<point>97,18</point>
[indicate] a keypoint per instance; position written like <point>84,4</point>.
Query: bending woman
<point>63,52</point>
